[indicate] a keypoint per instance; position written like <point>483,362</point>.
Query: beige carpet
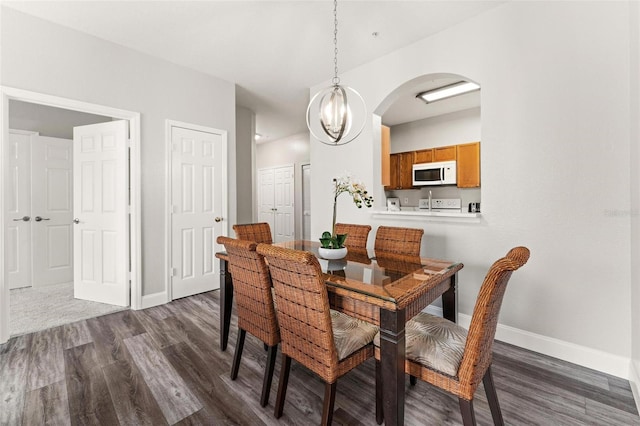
<point>39,308</point>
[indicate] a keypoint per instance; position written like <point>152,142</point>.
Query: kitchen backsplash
<point>410,197</point>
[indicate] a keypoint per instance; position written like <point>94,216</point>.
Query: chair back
<point>357,235</point>
<point>257,232</point>
<point>394,240</point>
<point>252,290</point>
<point>478,349</point>
<point>303,309</point>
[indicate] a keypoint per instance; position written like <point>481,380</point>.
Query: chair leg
<point>468,415</point>
<point>238,354</point>
<point>379,412</point>
<point>413,380</point>
<point>327,406</point>
<point>266,347</point>
<point>492,398</point>
<point>268,374</point>
<point>282,386</point>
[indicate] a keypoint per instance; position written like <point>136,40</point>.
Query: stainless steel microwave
<point>440,173</point>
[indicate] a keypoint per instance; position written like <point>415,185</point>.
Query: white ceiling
<point>273,50</point>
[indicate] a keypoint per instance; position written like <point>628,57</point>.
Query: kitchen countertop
<point>412,213</point>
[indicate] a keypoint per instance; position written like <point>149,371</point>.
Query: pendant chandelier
<point>340,110</point>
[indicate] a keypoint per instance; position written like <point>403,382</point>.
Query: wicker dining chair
<point>395,240</point>
<point>356,234</point>
<point>258,232</point>
<point>254,301</point>
<point>445,355</point>
<point>328,343</point>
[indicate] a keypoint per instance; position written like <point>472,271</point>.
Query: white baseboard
<point>581,355</point>
<point>634,379</point>
<point>155,299</point>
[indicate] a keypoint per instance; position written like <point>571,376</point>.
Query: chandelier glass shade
<point>336,115</point>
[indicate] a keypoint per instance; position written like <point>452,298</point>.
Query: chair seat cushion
<point>434,342</point>
<point>350,334</point>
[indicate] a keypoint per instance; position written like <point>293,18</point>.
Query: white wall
<point>43,57</point>
<point>552,109</point>
<point>444,130</point>
<point>48,121</point>
<point>290,150</point>
<point>245,163</point>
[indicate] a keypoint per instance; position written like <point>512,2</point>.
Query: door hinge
<point>173,272</point>
<point>129,143</point>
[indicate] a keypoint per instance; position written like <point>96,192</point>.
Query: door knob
<point>23,218</point>
<point>38,218</point>
<point>218,219</point>
<point>76,221</point>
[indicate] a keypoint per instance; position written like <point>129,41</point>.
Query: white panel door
<point>283,204</point>
<point>100,204</point>
<point>196,192</point>
<point>52,210</point>
<point>266,206</point>
<point>18,210</point>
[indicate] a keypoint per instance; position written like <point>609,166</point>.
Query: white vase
<point>327,253</point>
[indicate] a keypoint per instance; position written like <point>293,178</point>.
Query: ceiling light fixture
<point>341,109</point>
<point>448,91</point>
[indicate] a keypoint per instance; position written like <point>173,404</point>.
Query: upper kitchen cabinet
<point>423,156</point>
<point>445,153</point>
<point>468,167</point>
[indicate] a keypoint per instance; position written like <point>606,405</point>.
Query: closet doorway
<point>275,201</point>
<point>39,205</point>
<point>128,195</point>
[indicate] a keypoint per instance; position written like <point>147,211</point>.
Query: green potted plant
<point>332,244</point>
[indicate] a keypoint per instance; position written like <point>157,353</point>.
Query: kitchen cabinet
<point>468,167</point>
<point>423,156</point>
<point>444,153</point>
<point>400,171</point>
<point>385,155</point>
<point>430,155</point>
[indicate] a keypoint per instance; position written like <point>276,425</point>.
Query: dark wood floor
<point>163,366</point>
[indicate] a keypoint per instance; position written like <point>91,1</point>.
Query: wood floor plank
<point>134,404</point>
<point>591,391</point>
<point>89,398</point>
<point>559,367</point>
<point>605,415</point>
<point>46,365</point>
<point>16,343</point>
<point>75,334</point>
<point>125,323</point>
<point>13,385</point>
<point>159,331</point>
<point>107,344</point>
<point>170,391</point>
<point>48,405</point>
<point>220,407</point>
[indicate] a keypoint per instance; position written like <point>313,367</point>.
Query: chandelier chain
<point>336,79</point>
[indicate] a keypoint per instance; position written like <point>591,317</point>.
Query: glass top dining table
<point>383,288</point>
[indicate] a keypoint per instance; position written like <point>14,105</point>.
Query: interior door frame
<point>135,237</point>
<point>302,194</point>
<point>169,125</point>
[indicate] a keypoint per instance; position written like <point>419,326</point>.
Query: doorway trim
<point>169,125</point>
<point>135,273</point>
